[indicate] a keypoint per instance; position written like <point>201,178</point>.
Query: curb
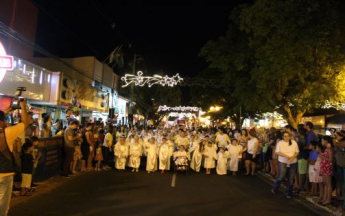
<point>304,199</point>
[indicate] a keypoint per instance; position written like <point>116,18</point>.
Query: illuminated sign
<point>6,62</point>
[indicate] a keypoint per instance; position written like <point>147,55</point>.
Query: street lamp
<point>215,108</point>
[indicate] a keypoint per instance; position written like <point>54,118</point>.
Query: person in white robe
<point>121,153</point>
<point>135,152</point>
<point>181,157</point>
<point>197,150</point>
<point>235,155</point>
<point>152,155</point>
<point>222,161</point>
<point>210,154</point>
<point>165,153</point>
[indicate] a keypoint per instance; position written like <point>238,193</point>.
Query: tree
<point>289,55</point>
<point>158,96</point>
<point>205,97</point>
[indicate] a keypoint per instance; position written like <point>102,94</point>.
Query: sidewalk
<point>43,187</point>
<point>303,197</point>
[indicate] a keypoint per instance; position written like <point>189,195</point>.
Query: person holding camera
<point>7,163</point>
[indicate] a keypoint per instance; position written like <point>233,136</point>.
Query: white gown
<point>165,153</point>
<point>181,157</point>
<point>221,163</point>
<point>152,153</point>
<point>234,156</point>
<point>211,154</point>
<point>135,152</point>
<point>197,158</point>
<point>121,153</point>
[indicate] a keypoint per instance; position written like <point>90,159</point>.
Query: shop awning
<point>336,119</point>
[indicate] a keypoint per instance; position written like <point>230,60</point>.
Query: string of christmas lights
<point>178,109</point>
<point>140,80</point>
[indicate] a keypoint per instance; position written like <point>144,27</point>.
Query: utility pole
<point>240,117</point>
<point>132,93</point>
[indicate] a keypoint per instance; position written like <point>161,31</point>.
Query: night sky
<point>168,34</point>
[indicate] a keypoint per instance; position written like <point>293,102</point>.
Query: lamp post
<point>131,94</point>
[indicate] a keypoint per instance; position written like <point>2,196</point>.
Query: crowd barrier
<point>50,163</point>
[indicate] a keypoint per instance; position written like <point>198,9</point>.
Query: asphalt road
<point>126,193</point>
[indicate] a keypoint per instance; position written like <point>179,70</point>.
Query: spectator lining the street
<point>107,147</point>
<point>314,169</point>
<point>99,155</point>
<point>70,139</point>
<point>287,151</point>
<point>86,147</point>
<point>252,154</point>
<point>77,153</point>
<point>27,161</point>
<point>326,169</point>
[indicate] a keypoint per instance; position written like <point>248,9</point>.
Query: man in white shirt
<point>222,139</point>
<point>107,147</point>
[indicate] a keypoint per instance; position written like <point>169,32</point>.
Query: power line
<point>64,27</point>
<point>9,32</point>
<point>105,17</point>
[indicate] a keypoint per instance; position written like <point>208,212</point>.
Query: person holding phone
<point>7,164</point>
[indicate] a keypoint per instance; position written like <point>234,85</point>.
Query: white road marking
<point>173,180</point>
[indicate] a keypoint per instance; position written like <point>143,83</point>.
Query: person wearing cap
<point>210,154</point>
<point>7,164</point>
<point>197,149</point>
<point>135,152</point>
<point>152,155</point>
<point>165,153</point>
<point>121,153</point>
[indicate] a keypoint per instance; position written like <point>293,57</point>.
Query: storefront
<point>41,85</point>
<point>88,102</point>
<point>121,111</point>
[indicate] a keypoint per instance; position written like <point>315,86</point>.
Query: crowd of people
<point>299,157</point>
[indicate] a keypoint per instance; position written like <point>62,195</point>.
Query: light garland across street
<point>178,109</point>
<point>181,115</point>
<point>141,80</point>
<point>336,105</point>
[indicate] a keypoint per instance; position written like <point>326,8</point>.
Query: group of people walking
<point>295,155</point>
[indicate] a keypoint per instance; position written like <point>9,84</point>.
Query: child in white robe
<point>152,155</point>
<point>210,154</point>
<point>181,156</point>
<point>121,153</point>
<point>165,153</point>
<point>198,150</point>
<point>235,154</point>
<point>222,161</point>
<point>135,152</point>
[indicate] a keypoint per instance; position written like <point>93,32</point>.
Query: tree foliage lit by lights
<point>284,54</point>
